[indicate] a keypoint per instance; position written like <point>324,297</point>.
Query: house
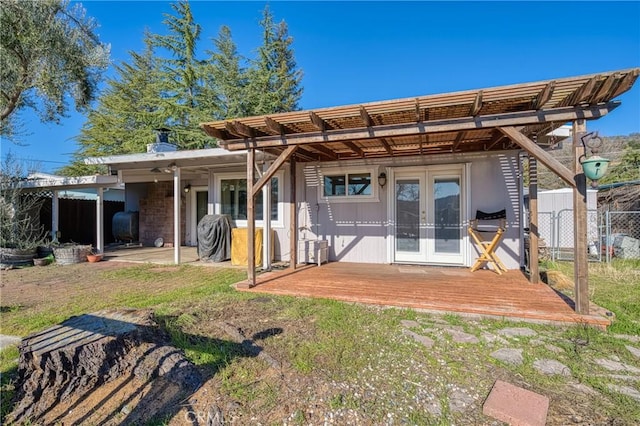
<point>398,181</point>
<point>385,182</point>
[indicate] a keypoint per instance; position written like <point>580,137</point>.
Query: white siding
<point>358,231</point>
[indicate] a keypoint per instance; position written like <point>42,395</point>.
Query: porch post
<point>55,211</point>
<point>100,220</point>
<point>580,265</point>
<point>176,216</point>
<point>251,217</point>
<point>266,223</point>
<point>293,217</point>
<point>534,231</point>
<point>210,193</point>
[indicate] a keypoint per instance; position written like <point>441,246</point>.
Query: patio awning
<point>443,123</point>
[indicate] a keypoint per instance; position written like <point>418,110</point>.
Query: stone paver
<point>509,356</point>
<point>459,401</point>
<point>626,390</point>
<point>516,406</point>
<point>517,332</point>
<point>492,338</point>
<point>426,341</point>
<point>634,351</point>
<point>585,389</point>
<point>6,341</point>
<point>553,348</point>
<point>460,336</point>
<point>410,323</point>
<point>551,367</point>
<point>614,365</point>
<point>630,338</point>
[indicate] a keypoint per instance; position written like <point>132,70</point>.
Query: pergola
<point>514,117</point>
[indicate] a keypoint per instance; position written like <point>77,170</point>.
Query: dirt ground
<point>449,380</point>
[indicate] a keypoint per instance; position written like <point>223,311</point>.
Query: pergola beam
<point>353,147</point>
<point>326,151</point>
<point>275,166</point>
<point>386,146</point>
<point>318,122</point>
<point>522,118</point>
<point>477,104</point>
<point>543,156</point>
<point>274,126</point>
<point>545,95</point>
<point>366,118</point>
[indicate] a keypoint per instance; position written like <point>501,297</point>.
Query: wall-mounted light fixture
<point>382,179</point>
<point>187,188</point>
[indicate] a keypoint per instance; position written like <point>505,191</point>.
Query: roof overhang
<point>159,166</point>
<point>53,182</point>
<point>464,121</point>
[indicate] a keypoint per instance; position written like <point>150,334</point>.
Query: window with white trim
<point>356,185</point>
<point>232,199</point>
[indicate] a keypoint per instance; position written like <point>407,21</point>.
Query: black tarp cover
<point>214,238</point>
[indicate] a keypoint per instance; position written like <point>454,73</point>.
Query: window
<point>233,199</point>
<point>348,186</point>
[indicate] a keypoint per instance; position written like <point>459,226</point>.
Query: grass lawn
<point>345,363</point>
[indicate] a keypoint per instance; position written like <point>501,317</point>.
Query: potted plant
<point>94,256</point>
<point>20,228</point>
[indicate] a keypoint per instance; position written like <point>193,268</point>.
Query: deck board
<point>434,289</point>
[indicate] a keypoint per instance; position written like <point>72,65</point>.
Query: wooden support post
<point>251,220</point>
<point>293,230</point>
<point>580,254</point>
<point>534,230</point>
<point>266,224</point>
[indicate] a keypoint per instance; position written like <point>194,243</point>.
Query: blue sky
<point>353,52</point>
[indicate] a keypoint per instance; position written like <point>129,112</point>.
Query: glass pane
<point>202,199</point>
<point>334,185</point>
<point>233,199</point>
<point>446,195</point>
<point>360,184</point>
<point>408,215</point>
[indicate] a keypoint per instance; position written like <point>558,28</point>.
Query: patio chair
<point>487,230</point>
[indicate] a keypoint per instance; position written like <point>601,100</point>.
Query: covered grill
<point>214,238</point>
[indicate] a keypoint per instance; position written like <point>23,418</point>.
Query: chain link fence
<point>610,234</point>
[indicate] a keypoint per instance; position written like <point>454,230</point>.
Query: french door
<point>428,216</point>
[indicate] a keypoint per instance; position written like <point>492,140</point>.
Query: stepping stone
<point>515,405</point>
<point>612,365</point>
<point>634,351</point>
<point>409,323</point>
<point>6,341</point>
<point>509,356</point>
<point>626,390</point>
<point>492,338</point>
<point>551,367</point>
<point>553,348</point>
<point>424,340</point>
<point>631,338</point>
<point>517,332</point>
<point>459,401</point>
<point>582,388</point>
<point>459,336</point>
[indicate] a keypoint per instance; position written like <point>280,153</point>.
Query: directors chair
<point>487,230</point>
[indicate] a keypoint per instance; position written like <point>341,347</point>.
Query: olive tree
<point>49,53</point>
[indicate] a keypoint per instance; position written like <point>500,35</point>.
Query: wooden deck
<point>431,289</point>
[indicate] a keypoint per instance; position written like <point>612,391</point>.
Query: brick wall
<point>156,214</point>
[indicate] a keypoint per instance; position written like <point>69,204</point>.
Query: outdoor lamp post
<point>594,167</point>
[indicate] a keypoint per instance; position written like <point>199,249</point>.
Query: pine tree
<point>127,113</point>
<point>182,75</point>
<point>226,79</point>
<point>274,80</point>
